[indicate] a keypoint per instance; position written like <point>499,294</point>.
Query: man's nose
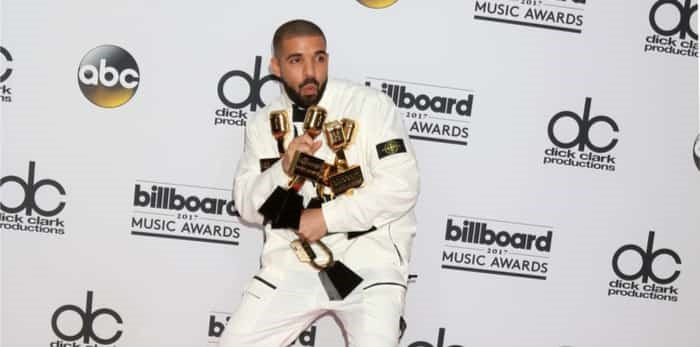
<point>309,69</point>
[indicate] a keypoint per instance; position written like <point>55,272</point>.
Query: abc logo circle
<point>108,76</point>
<point>377,3</point>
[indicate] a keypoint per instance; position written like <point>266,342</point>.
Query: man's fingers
<point>304,148</point>
<point>304,139</point>
<point>307,139</point>
<point>303,235</point>
<point>301,143</point>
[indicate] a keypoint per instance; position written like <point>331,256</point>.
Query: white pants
<point>274,314</point>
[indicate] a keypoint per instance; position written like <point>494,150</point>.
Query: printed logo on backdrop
<point>582,141</point>
<point>108,76</point>
<point>431,112</point>
<point>218,321</point>
<point>5,73</point>
<point>497,247</point>
<point>673,28</point>
<point>32,203</point>
<point>696,152</point>
<point>241,94</point>
<point>86,326</point>
<point>440,342</point>
<point>645,273</point>
<point>184,212</point>
<point>377,4</point>
<point>557,15</point>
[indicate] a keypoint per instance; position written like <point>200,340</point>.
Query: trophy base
<point>283,208</point>
<point>339,281</point>
<point>314,203</point>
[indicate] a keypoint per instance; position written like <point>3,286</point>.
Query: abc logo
<point>584,125</point>
<point>253,86</point>
<point>648,257</point>
<point>87,318</point>
<point>30,189</point>
<point>108,76</point>
<point>684,12</point>
<point>696,151</point>
<point>8,58</point>
<point>377,3</point>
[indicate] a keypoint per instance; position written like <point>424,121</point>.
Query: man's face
<point>302,64</point>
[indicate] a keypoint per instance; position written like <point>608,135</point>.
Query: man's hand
<point>312,225</point>
<point>303,143</point>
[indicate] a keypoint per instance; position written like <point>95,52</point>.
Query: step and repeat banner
<point>557,142</point>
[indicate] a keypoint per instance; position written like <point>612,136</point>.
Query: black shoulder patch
<point>390,147</point>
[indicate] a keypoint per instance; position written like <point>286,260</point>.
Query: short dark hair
<point>294,28</point>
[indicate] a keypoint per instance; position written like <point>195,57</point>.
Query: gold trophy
<point>284,206</point>
<point>313,125</point>
<point>339,135</point>
<point>337,279</point>
<point>340,177</point>
<point>279,125</point>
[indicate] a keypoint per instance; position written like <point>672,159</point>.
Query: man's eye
<point>321,58</point>
<point>294,60</point>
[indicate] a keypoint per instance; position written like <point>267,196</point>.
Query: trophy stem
<point>280,145</point>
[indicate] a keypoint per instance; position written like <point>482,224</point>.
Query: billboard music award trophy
<point>279,124</point>
<point>283,207</point>
<point>339,135</point>
<point>340,177</point>
<point>337,279</point>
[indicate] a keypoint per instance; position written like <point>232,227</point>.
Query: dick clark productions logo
<point>88,315</point>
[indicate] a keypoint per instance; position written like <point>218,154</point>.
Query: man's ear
<point>275,66</point>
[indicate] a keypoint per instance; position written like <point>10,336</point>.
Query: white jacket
<point>386,200</point>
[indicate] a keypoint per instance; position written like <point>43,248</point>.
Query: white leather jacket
<point>386,199</point>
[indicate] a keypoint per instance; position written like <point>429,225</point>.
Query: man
<point>286,295</point>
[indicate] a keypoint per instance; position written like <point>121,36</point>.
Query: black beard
<point>300,100</point>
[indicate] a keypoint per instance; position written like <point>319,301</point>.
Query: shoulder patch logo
<point>390,147</point>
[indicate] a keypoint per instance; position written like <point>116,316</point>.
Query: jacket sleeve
<point>251,187</point>
<point>394,188</point>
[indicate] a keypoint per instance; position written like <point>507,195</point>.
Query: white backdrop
<point>169,277</point>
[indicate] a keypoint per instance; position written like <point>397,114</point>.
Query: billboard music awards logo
<point>558,15</point>
<point>90,330</point>
<point>5,73</point>
<point>635,266</point>
<point>497,247</point>
<point>674,28</point>
<point>218,321</point>
<point>184,212</point>
<point>377,4</point>
<point>439,343</point>
<point>108,76</point>
<point>32,204</point>
<point>242,94</point>
<point>432,113</point>
<point>586,142</point>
